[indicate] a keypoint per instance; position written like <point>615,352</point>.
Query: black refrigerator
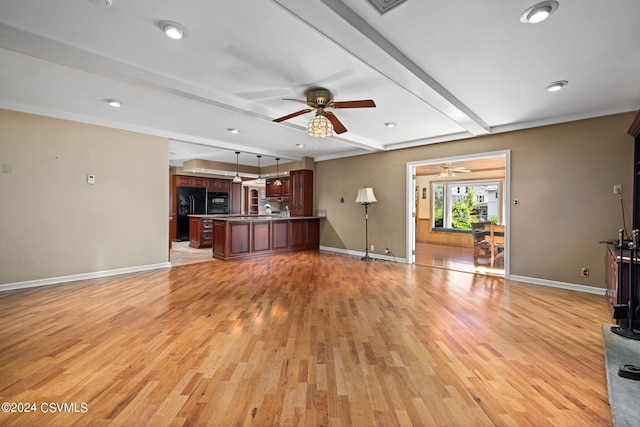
<point>190,201</point>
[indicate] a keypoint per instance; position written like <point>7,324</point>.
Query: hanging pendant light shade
<point>237,178</point>
<point>277,181</point>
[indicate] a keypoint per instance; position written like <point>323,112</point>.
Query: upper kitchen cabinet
<point>190,181</point>
<point>301,192</point>
<point>273,190</point>
<point>219,185</point>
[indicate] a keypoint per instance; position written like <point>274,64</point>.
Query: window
<point>457,204</point>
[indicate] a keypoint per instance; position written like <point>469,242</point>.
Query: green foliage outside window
<point>462,211</point>
<point>438,206</point>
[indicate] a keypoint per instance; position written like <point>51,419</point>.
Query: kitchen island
<point>242,236</point>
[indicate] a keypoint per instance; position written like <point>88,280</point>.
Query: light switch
<point>91,179</point>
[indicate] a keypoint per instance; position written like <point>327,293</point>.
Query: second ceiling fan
<point>319,99</point>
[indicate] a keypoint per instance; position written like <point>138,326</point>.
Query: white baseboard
<point>361,254</point>
<point>82,276</point>
<point>530,280</point>
<point>561,285</point>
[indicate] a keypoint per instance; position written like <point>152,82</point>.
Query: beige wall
<point>563,176</point>
<point>53,224</point>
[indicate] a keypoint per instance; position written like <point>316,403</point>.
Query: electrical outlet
<point>617,189</point>
<point>516,202</point>
<point>585,271</point>
<point>386,250</point>
<point>373,248</point>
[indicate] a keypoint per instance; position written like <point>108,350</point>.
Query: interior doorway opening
<point>446,198</point>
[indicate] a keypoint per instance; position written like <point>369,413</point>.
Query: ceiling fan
<point>319,99</point>
<point>447,171</point>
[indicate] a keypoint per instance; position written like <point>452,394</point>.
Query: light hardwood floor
<point>310,338</point>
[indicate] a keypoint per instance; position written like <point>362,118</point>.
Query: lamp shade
<point>366,196</point>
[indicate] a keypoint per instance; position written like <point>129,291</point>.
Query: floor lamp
<point>365,198</point>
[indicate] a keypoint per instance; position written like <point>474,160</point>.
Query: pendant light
<point>237,179</point>
<point>259,180</point>
<point>277,181</point>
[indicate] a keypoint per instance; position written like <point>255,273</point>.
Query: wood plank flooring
<point>310,338</point>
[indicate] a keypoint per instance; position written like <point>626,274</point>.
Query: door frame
<point>411,205</point>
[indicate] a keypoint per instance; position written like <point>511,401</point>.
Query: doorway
<point>444,197</point>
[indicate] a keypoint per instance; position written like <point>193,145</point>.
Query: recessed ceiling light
<point>172,29</point>
<point>539,12</point>
<point>233,130</point>
<point>299,145</point>
<point>113,102</point>
<point>390,124</point>
<point>556,86</point>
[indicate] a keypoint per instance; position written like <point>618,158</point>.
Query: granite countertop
<point>254,217</point>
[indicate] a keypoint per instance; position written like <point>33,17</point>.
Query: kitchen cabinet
<point>273,190</point>
<point>301,188</point>
<point>200,232</point>
<point>618,291</point>
<point>235,198</point>
<point>245,237</point>
<point>219,185</point>
<point>190,181</point>
<point>253,200</point>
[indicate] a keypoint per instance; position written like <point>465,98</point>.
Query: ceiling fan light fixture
<point>320,126</point>
<point>173,30</point>
<point>539,12</point>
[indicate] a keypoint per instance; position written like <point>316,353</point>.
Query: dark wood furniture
<point>301,203</point>
<point>618,292</point>
<point>242,237</point>
<point>634,131</point>
<point>235,198</point>
<point>200,232</point>
<point>211,185</point>
<point>253,204</point>
<point>276,191</point>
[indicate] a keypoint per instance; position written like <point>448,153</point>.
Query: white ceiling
<point>441,70</point>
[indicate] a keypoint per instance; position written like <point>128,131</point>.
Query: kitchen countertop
<point>258,217</point>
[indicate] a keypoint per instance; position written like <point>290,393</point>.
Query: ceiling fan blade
<point>292,115</point>
<point>364,103</point>
<point>338,127</point>
<point>310,104</point>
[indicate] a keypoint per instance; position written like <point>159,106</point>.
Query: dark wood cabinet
<point>301,203</point>
<point>618,291</point>
<point>253,200</point>
<point>219,185</point>
<point>252,237</point>
<point>634,131</point>
<point>617,268</point>
<point>273,190</point>
<point>200,232</point>
<point>235,198</point>
<point>191,181</point>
